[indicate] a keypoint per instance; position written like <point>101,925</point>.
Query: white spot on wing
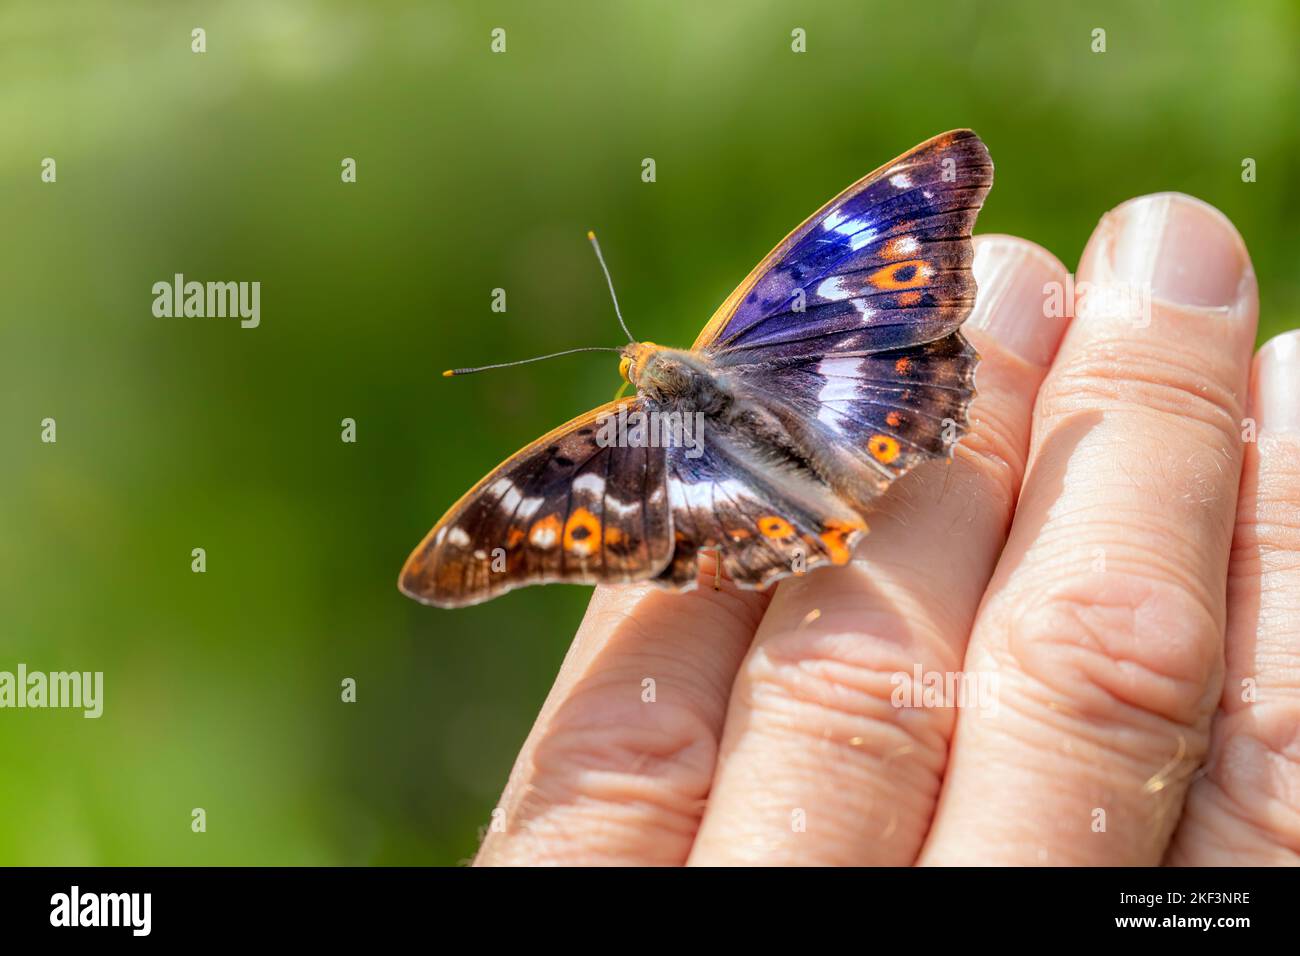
<point>701,495</point>
<point>835,289</point>
<point>841,375</point>
<point>857,228</point>
<point>614,506</point>
<point>510,496</point>
<point>863,238</point>
<point>458,537</point>
<point>900,181</point>
<point>592,483</point>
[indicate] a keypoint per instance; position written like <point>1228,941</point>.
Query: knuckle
<point>847,688</point>
<point>1123,652</point>
<point>608,746</point>
<point>1255,770</point>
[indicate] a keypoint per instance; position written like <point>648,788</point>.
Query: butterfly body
<point>834,368</point>
<point>675,379</point>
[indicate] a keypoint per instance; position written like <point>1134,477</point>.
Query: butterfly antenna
<point>605,269</point>
<point>539,358</point>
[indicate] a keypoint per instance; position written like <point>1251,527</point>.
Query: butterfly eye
<point>624,365</point>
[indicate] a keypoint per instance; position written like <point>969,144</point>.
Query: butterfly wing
<point>882,413</point>
<point>572,506</point>
<point>883,265</point>
<point>769,517</point>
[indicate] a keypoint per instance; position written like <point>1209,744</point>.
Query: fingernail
<point>1020,298</point>
<point>1184,250</point>
<point>1277,384</point>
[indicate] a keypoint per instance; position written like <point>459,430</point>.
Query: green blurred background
<point>475,171</point>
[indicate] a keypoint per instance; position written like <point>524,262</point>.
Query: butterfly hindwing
<point>573,506</point>
<point>767,519</point>
<point>892,410</point>
<point>884,265</point>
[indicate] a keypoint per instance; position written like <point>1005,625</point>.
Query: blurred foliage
<point>476,171</point>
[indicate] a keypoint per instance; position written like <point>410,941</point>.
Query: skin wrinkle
<point>993,459</point>
<point>1236,804</point>
<point>1104,769</point>
<point>1144,377</point>
<point>1133,559</point>
<point>1080,648</point>
<point>854,799</point>
<point>571,767</point>
<point>804,711</point>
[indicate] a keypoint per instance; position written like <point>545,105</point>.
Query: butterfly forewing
<point>884,265</point>
<point>847,331</point>
<point>573,506</point>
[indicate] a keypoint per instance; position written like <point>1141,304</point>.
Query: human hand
<point>1134,661</point>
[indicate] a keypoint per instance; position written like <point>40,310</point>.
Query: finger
<point>1104,622</point>
<point>618,765</point>
<point>819,765</point>
<point>1245,809</point>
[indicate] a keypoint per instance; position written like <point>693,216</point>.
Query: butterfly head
<point>636,356</point>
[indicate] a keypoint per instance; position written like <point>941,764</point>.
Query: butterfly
<point>834,368</point>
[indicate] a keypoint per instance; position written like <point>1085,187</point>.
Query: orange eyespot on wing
<point>582,533</point>
<point>884,448</point>
<point>774,526</point>
<point>912,274</point>
<point>837,536</point>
